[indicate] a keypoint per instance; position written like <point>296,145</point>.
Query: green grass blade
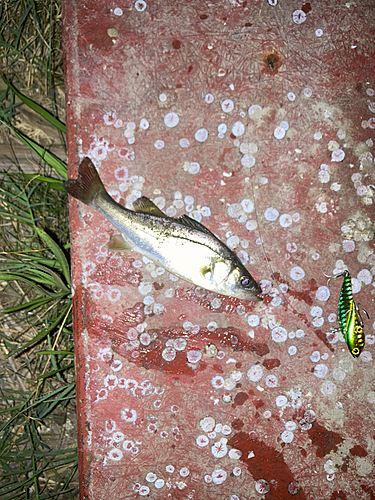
<point>35,107</point>
<point>59,254</point>
<point>51,159</point>
<point>41,335</point>
<point>53,183</point>
<point>56,353</point>
<point>54,372</point>
<point>29,306</point>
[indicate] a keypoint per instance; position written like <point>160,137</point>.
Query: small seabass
<point>183,246</point>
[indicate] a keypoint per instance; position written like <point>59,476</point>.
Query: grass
<point>38,454</point>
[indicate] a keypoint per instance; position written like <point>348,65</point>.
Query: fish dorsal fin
<point>193,224</point>
<point>145,206</point>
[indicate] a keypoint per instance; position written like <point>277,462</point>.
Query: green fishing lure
<point>350,320</point>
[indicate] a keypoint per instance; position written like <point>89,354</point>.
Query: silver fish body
<point>182,246</point>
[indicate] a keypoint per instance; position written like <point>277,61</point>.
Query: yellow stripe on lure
<point>350,320</point>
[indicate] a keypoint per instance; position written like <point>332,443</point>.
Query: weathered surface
<point>262,127</point>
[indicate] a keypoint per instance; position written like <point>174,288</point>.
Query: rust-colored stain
<point>325,440</point>
<point>264,462</point>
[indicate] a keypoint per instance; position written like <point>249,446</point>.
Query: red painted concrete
<point>184,394</point>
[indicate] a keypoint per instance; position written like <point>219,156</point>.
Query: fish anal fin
<point>144,205</point>
<point>187,221</point>
<point>117,243</point>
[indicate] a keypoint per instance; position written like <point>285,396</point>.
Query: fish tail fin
<point>88,185</point>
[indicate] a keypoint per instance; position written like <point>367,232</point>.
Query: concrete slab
<point>257,118</point>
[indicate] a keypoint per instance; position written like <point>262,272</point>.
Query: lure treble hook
<point>338,275</point>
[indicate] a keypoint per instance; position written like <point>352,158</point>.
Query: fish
<point>349,316</point>
<point>182,246</point>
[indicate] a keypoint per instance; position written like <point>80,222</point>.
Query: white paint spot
<point>159,144</point>
<point>291,96</point>
<point>222,128</point>
<point>279,132</point>
<point>285,220</point>
<point>169,354</point>
<point>338,155</point>
<point>299,16</point>
<point>140,5</point>
<point>284,125</point>
<point>238,129</point>
<point>248,161</point>
<point>219,449</point>
<point>117,11</point>
<point>202,441</point>
<point>253,320</point>
<point>366,356</point>
<point>324,176</point>
<point>162,97</point>
<point>307,92</point>
<point>201,135</point>
<point>271,381</point>
<point>209,98</point>
<point>318,32</point>
<point>217,382</point>
<point>317,322</point>
<point>227,105</point>
<point>255,373</point>
<point>287,436</point>
<point>207,424</point>
<point>318,136</point>
<point>281,401</point>
<point>279,334</point>
<point>292,350</point>
<point>320,371</point>
<point>235,454</point>
<point>219,476</point>
<point>194,356</point>
<point>171,120</point>
<point>297,273</point>
<point>254,109</point>
<point>194,168</point>
<point>184,143</point>
<point>364,276</point>
<point>323,293</point>
<point>251,225</point>
<point>271,214</point>
<point>327,388</point>
<point>151,477</point>
<point>247,205</point>
<point>315,356</point>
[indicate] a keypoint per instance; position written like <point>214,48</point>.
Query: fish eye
<point>245,281</point>
<point>355,351</point>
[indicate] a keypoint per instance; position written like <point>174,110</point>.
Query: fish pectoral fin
<point>206,272</point>
<point>117,243</point>
<point>145,206</point>
<point>193,224</point>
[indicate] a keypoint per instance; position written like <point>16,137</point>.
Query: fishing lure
<point>350,320</point>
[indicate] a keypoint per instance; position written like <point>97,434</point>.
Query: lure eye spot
<point>245,281</point>
<point>355,351</point>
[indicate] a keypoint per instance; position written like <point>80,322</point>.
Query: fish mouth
<point>257,298</point>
